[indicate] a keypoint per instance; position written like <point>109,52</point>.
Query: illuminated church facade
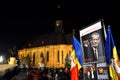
<point>50,49</point>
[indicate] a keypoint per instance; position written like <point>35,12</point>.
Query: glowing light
<point>1,59</point>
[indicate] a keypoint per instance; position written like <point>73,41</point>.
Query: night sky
<point>38,19</point>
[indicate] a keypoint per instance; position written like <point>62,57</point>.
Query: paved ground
<point>20,75</point>
<point>5,68</point>
<point>16,74</point>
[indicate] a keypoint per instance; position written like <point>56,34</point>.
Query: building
<point>49,50</point>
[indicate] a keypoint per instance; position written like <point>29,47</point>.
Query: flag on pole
<point>78,50</point>
<point>76,59</point>
<point>108,47</point>
<point>113,62</point>
<point>74,72</point>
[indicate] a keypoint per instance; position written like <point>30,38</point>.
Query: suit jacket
<point>94,74</point>
<point>90,76</point>
<point>89,54</point>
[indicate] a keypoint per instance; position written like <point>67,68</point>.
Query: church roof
<point>49,39</point>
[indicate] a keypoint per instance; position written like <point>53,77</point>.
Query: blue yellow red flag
<point>76,60</point>
<point>78,51</point>
<point>113,62</point>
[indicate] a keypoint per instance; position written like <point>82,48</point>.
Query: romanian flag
<point>78,50</point>
<point>113,62</point>
<point>74,71</point>
<point>76,60</point>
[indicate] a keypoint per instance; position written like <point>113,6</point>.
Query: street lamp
<point>1,59</point>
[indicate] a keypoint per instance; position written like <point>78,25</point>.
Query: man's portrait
<point>92,47</point>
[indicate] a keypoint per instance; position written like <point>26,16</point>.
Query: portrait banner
<point>92,40</point>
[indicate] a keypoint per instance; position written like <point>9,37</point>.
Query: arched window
<point>34,58</point>
<point>42,58</point>
<point>58,56</point>
<point>47,55</point>
<point>62,57</point>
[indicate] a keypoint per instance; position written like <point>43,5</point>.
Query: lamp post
<point>1,59</point>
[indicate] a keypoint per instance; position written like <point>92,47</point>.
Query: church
<point>48,50</point>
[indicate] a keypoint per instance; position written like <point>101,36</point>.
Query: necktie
<point>95,53</point>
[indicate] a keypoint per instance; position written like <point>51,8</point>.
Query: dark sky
<point>29,20</point>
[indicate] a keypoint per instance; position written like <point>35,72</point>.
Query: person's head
<point>92,67</point>
<point>95,39</point>
<point>85,43</point>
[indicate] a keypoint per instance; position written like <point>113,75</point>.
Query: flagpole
<point>105,36</point>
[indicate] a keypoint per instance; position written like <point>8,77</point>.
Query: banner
<point>92,41</point>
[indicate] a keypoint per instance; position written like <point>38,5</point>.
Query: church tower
<point>59,22</point>
<point>59,26</point>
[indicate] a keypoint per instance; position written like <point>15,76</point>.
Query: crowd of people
<point>48,74</point>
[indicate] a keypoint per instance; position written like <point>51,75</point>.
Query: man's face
<point>95,40</point>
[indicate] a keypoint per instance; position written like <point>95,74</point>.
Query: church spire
<point>58,9</point>
<point>58,22</point>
